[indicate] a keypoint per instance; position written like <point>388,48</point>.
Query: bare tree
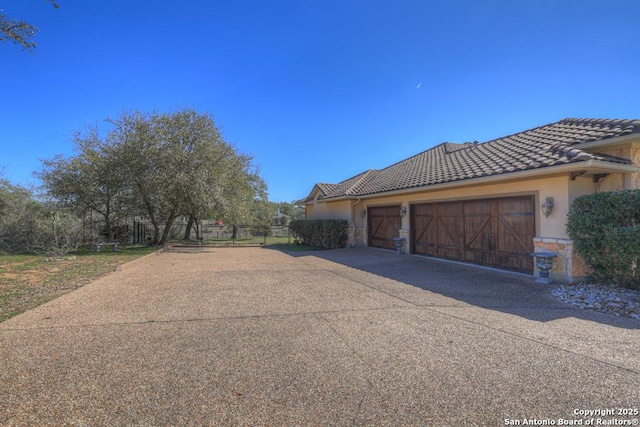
<point>61,234</point>
<point>20,32</point>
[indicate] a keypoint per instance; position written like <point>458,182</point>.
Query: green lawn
<point>244,241</point>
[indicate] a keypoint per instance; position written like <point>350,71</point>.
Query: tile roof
<point>550,145</point>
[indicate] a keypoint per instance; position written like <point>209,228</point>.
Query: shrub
<point>321,233</point>
<point>605,228</point>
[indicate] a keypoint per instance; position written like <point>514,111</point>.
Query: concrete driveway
<point>250,336</point>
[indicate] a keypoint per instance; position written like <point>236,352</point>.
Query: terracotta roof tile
<point>349,186</point>
<point>549,145</point>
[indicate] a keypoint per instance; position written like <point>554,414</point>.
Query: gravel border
<point>614,300</point>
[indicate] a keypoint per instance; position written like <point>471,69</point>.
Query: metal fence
<point>212,234</point>
<point>139,231</point>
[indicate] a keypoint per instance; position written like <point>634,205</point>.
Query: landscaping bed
<point>607,299</point>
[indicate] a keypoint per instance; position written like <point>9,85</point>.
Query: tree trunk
<point>187,231</point>
<point>107,222</point>
<point>156,234</point>
<point>198,229</point>
<point>151,216</point>
<point>167,227</point>
<point>235,232</point>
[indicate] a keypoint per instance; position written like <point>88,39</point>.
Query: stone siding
<point>356,236</point>
<point>567,267</point>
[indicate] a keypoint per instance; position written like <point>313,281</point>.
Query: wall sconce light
<point>403,211</point>
<point>363,213</point>
<point>547,207</point>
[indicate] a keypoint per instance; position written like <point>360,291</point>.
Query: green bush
<point>321,233</point>
<point>605,228</point>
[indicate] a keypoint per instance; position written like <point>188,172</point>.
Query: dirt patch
<point>26,281</point>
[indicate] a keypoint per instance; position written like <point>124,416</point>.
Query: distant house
<point>481,202</point>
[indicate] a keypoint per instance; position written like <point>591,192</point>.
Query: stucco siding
<point>331,210</point>
<point>556,187</point>
<point>581,186</point>
<point>560,187</point>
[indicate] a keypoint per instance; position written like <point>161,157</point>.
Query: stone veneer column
<point>350,236</point>
<point>356,236</point>
<point>361,234</point>
<point>405,245</point>
<point>567,267</point>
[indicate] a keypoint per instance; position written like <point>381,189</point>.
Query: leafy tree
<point>160,166</point>
<point>235,195</point>
<point>90,180</point>
<point>145,165</point>
<point>179,164</point>
<point>4,197</point>
<point>20,32</point>
<point>244,195</point>
<point>292,211</point>
<point>18,216</point>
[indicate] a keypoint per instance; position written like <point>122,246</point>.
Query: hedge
<point>605,228</point>
<point>321,233</point>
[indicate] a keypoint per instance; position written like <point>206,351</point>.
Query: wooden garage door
<point>383,225</point>
<point>494,232</point>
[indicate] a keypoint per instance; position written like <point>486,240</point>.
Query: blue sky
<point>317,90</point>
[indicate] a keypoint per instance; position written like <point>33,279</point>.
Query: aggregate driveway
<point>251,336</point>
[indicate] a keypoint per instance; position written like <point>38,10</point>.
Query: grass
<point>27,280</point>
<point>243,241</point>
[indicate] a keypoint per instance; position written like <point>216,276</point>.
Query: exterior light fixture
<point>363,213</point>
<point>547,207</point>
<point>403,211</point>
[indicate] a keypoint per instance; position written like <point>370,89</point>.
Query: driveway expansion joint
<point>207,319</point>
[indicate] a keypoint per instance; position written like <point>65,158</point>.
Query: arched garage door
<point>493,232</point>
<point>383,225</point>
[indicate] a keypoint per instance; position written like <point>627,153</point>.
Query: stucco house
<point>482,203</point>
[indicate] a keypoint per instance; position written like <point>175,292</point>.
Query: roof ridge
<point>578,120</point>
<point>452,147</point>
<point>523,131</point>
<point>629,126</point>
<point>359,179</point>
<point>415,155</point>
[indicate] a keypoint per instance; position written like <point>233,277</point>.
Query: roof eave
<point>608,142</point>
<point>335,198</point>
<point>589,166</point>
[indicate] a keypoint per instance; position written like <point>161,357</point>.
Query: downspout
<point>353,220</point>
